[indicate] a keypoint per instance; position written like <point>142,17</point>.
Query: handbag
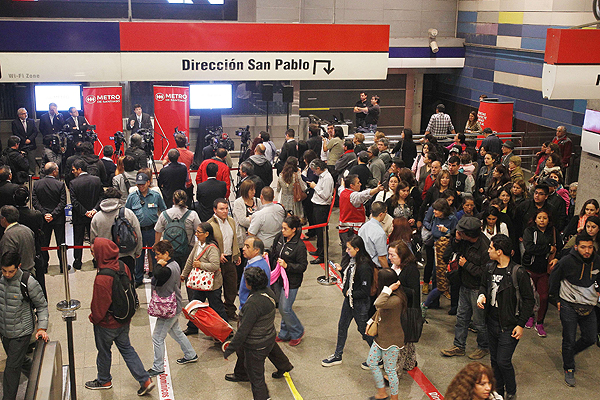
<point>426,236</point>
<point>200,279</point>
<point>374,325</point>
<point>299,194</point>
<point>162,307</point>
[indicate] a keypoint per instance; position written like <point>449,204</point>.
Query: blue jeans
<point>170,326</point>
<point>502,347</point>
<point>291,327</point>
<point>587,324</point>
<point>147,241</point>
<point>104,338</point>
<point>467,308</point>
<point>360,314</point>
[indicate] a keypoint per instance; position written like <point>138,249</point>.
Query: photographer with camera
<point>136,150</point>
<point>53,152</point>
<point>16,160</point>
<point>24,128</point>
<point>138,120</point>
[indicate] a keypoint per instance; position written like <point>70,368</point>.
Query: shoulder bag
<point>299,194</point>
<point>162,307</point>
<point>200,279</point>
<point>372,328</point>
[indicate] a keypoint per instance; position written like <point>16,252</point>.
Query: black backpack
<point>412,318</point>
<point>124,297</point>
<point>123,233</point>
<point>176,234</point>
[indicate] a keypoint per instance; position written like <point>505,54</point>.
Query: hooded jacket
<point>293,252</point>
<point>95,166</point>
<point>574,279</point>
<point>477,258</point>
<point>103,221</point>
<point>106,254</point>
<point>262,168</point>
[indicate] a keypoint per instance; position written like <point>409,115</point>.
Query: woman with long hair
<point>243,209</point>
<point>401,204</point>
<point>357,278</point>
<point>290,252</point>
<point>406,148</point>
<point>407,176</point>
<point>390,185</point>
<point>508,205</point>
<point>484,176</point>
<point>472,125</point>
<point>419,161</point>
<point>390,305</point>
<point>309,176</point>
<point>206,256</point>
<point>474,382</point>
<point>519,192</point>
<point>577,223</point>
<point>592,227</point>
<point>285,186</point>
<point>442,183</point>
<point>540,242</point>
<point>500,177</point>
<point>491,225</point>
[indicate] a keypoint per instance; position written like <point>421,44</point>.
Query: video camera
<point>147,140</point>
<point>119,138</point>
<point>218,139</point>
<point>69,136</point>
<point>244,134</point>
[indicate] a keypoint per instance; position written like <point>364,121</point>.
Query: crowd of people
<point>499,248</point>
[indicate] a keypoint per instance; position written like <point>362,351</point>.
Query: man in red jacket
<point>564,144</point>
<point>108,330</point>
<point>222,174</point>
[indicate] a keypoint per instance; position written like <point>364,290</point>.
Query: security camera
<point>434,46</point>
<point>432,32</point>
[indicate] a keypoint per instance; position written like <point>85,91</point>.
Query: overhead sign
<point>572,64</point>
<point>159,51</point>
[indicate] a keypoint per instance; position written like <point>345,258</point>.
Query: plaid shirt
<point>440,125</point>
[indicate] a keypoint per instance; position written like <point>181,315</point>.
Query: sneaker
<point>152,372</point>
<point>447,295</point>
<point>95,385</point>
<point>146,387</point>
<point>365,365</point>
<point>529,323</point>
<point>331,361</point>
<point>424,309</point>
<point>479,354</point>
<point>296,342</point>
<point>453,351</point>
<point>569,377</point>
<point>184,360</point>
<point>540,330</point>
<point>425,288</point>
<point>280,340</point>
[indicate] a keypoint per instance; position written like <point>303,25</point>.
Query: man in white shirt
<point>266,222</point>
<point>321,203</point>
<point>224,231</point>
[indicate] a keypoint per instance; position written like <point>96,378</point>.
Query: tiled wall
<point>407,18</point>
<point>505,42</point>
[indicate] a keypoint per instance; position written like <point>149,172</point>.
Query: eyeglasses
<point>198,232</point>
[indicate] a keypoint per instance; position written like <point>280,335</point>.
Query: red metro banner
<point>171,111</point>
<point>102,106</point>
<point>498,116</point>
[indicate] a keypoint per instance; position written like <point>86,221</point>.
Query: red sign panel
<point>171,111</point>
<point>103,107</point>
<point>572,46</point>
<point>242,37</point>
<point>496,115</point>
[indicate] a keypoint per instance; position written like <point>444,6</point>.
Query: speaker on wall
<point>267,92</point>
<point>288,94</point>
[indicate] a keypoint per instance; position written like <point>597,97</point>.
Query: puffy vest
<point>350,217</point>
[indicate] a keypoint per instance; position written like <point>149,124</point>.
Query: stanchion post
<point>30,191</point>
<point>68,308</point>
<point>326,279</point>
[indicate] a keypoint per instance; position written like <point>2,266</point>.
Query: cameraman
<point>136,151</point>
<point>16,160</point>
<point>52,151</point>
<point>138,120</point>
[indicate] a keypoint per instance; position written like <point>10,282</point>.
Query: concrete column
<point>589,171</point>
<point>414,80</point>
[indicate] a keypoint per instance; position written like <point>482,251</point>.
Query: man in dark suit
<point>208,191</point>
<point>247,173</point>
<point>138,120</point>
<point>19,165</point>
<point>52,122</point>
<point>49,196</point>
<point>172,177</point>
<point>289,149</point>
<point>24,128</point>
<point>109,165</point>
<point>75,121</point>
<point>85,191</point>
<point>7,188</point>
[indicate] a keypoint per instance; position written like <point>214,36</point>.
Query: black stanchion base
<point>323,280</point>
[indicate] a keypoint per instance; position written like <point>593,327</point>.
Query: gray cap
<point>509,144</point>
<point>468,223</point>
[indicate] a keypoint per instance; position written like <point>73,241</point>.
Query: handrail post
<point>68,308</point>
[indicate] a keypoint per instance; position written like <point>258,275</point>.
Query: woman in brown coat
<point>390,305</point>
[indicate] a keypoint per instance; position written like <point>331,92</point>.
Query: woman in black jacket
<point>290,252</point>
<point>356,288</point>
<point>406,148</point>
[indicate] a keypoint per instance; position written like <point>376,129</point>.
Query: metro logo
<point>105,97</point>
<point>170,96</point>
<point>91,99</point>
<point>159,96</point>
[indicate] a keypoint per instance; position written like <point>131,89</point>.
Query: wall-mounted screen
<point>211,96</point>
<point>591,121</point>
<point>65,96</point>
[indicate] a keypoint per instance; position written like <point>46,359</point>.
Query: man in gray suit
<point>17,238</point>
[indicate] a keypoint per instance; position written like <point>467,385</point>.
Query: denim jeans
<point>360,314</point>
<point>467,308</point>
<point>170,326</point>
<point>291,327</point>
<point>147,241</point>
<point>104,338</point>
<point>502,347</point>
<point>587,324</point>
